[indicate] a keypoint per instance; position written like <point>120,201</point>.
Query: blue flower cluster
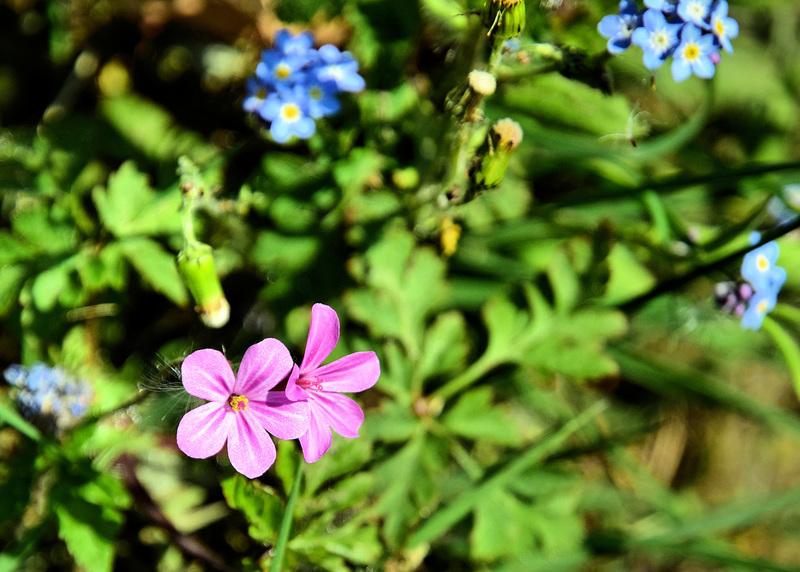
<point>48,395</point>
<point>766,280</point>
<point>691,31</point>
<point>295,84</point>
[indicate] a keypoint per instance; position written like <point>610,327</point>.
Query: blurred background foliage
<point>558,390</point>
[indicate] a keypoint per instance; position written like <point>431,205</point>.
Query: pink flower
<point>241,407</point>
<point>322,386</point>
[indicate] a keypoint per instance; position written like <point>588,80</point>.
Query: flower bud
<point>503,138</point>
<point>464,100</point>
<point>196,264</point>
<point>504,18</point>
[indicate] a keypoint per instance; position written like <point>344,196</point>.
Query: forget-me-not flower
<point>723,27</point>
<point>666,6</point>
<point>693,54</point>
<point>287,110</point>
<point>695,12</point>
<point>619,28</point>
<point>759,269</point>
<point>657,38</point>
<point>761,304</point>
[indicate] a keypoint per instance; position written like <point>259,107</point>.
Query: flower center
<point>762,307</point>
<point>282,71</point>
<point>312,383</point>
<point>661,41</point>
<point>238,402</point>
<point>290,112</point>
<point>762,263</point>
<point>261,93</point>
<point>720,27</point>
<point>696,11</point>
<point>315,93</point>
<point>691,52</point>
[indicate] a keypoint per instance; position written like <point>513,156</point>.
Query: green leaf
<point>130,207</point>
<point>260,505</point>
<point>43,234</point>
<point>475,417</point>
<point>788,347</point>
<point>50,284</point>
<point>344,456</point>
<point>404,286</point>
<point>152,130</point>
<point>156,267</point>
<point>11,279</point>
<point>88,531</point>
<point>445,348</point>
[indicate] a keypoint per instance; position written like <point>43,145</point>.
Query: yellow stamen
<point>283,71</point>
<point>762,307</point>
<point>238,402</point>
<point>290,112</point>
<point>762,263</point>
<point>692,51</point>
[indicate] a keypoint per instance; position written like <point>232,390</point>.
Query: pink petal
<point>278,415</point>
<point>202,431</point>
<point>323,335</point>
<point>317,440</point>
<point>340,412</point>
<point>250,448</point>
<point>294,391</point>
<point>207,374</point>
<point>263,366</point>
<point>354,372</point>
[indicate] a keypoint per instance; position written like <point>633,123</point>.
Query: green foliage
<point>557,389</point>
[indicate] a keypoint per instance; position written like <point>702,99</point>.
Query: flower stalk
<point>286,523</point>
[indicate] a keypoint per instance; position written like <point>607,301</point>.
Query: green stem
<point>473,373</point>
<point>286,524</point>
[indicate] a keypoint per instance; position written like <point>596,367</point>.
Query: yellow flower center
<point>238,402</point>
<point>720,28</point>
<point>290,112</point>
<point>315,93</point>
<point>762,307</point>
<point>762,263</point>
<point>691,52</point>
<point>282,71</point>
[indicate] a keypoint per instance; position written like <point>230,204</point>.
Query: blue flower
<point>340,68</point>
<point>666,6</point>
<point>279,69</point>
<point>658,38</point>
<point>722,27</point>
<point>761,304</point>
<point>321,99</point>
<point>618,29</point>
<point>693,54</point>
<point>295,84</point>
<point>288,112</point>
<point>695,12</point>
<point>298,45</point>
<point>759,269</point>
<point>48,395</point>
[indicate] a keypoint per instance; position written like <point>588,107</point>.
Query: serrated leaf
<point>405,285</point>
<point>128,206</point>
<point>474,416</point>
<point>445,349</point>
<point>50,284</point>
<point>156,266</point>
<point>88,531</point>
<point>43,234</point>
